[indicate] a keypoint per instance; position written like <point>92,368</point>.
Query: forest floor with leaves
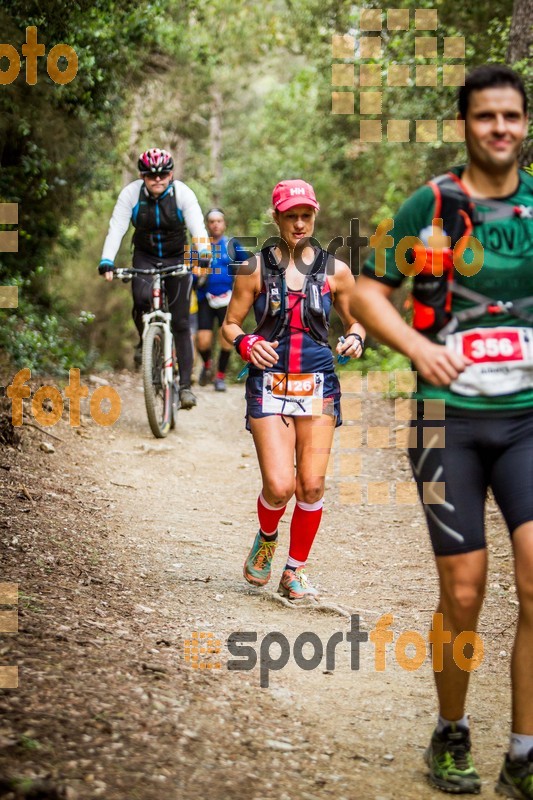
<point>128,550</point>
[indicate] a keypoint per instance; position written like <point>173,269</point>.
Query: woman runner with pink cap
<point>292,392</point>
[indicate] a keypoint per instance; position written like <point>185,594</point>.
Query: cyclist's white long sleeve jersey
<point>126,211</point>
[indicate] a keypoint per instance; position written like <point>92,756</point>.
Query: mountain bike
<point>159,365</point>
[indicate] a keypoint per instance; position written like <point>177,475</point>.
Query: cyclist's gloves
<point>105,266</point>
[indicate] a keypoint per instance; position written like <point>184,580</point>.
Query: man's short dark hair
<point>487,77</point>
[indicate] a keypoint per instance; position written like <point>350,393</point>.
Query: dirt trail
<point>124,546</point>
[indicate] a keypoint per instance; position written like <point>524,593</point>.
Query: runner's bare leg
<point>314,437</point>
<point>274,442</point>
<point>522,659</point>
<point>462,587</point>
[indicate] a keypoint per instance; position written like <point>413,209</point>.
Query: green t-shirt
<point>506,274</point>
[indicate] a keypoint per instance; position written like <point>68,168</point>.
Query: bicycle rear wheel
<point>157,393</point>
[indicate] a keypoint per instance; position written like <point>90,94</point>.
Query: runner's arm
<point>119,222</point>
<point>246,287</point>
<point>434,362</point>
<point>343,288</point>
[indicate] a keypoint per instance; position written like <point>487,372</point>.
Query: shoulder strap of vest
<point>317,273</point>
<point>274,319</point>
<point>453,205</point>
<point>460,211</point>
<point>517,308</point>
<point>314,315</point>
<point>526,178</point>
<point>272,325</point>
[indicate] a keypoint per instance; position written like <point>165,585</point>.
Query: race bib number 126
<point>293,394</point>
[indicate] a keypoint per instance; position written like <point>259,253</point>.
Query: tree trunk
<point>129,164</point>
<point>215,141</point>
<point>178,149</point>
<point>521,33</point>
<point>520,41</point>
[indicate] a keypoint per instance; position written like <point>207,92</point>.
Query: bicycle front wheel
<point>175,390</point>
<point>157,393</point>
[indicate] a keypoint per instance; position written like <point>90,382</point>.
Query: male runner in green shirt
<point>472,347</point>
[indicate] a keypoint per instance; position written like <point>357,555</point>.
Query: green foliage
<point>148,74</point>
<point>380,359</point>
<point>53,138</point>
<point>43,342</point>
<point>55,148</point>
<point>28,744</point>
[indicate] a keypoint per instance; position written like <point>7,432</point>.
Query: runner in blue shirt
<point>213,298</point>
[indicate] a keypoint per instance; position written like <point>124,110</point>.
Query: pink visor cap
<point>293,193</point>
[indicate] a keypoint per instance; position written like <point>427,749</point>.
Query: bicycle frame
<point>160,379</point>
<point>157,314</point>
<point>164,319</point>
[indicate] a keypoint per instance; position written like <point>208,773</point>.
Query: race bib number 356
<point>503,360</point>
<point>494,345</point>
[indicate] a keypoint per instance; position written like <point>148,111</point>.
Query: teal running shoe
<point>294,585</point>
<point>258,564</point>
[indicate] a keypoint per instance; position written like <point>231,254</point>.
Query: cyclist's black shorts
<point>208,315</point>
<point>473,454</point>
<point>178,290</point>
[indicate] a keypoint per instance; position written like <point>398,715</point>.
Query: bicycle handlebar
<point>129,272</point>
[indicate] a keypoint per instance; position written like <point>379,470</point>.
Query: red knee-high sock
<point>304,525</point>
<point>269,516</point>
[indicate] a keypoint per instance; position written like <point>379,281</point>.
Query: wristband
<point>243,344</point>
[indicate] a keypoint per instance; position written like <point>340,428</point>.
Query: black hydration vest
<point>159,226</point>
<point>275,320</point>
<point>432,295</point>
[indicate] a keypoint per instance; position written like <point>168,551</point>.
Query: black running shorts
<point>468,455</point>
<point>208,315</point>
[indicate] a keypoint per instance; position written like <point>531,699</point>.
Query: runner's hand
<point>350,346</point>
<point>263,354</point>
<point>436,364</point>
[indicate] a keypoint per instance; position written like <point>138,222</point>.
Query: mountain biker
<point>472,351</point>
<point>292,392</point>
<point>213,298</point>
<point>161,210</point>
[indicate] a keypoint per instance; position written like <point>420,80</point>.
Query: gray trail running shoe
<point>206,376</point>
<point>516,778</point>
<point>450,764</point>
<point>187,399</point>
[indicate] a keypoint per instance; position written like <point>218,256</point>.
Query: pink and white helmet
<point>155,160</point>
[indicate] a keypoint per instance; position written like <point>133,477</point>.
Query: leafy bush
<point>47,343</point>
<point>380,359</point>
